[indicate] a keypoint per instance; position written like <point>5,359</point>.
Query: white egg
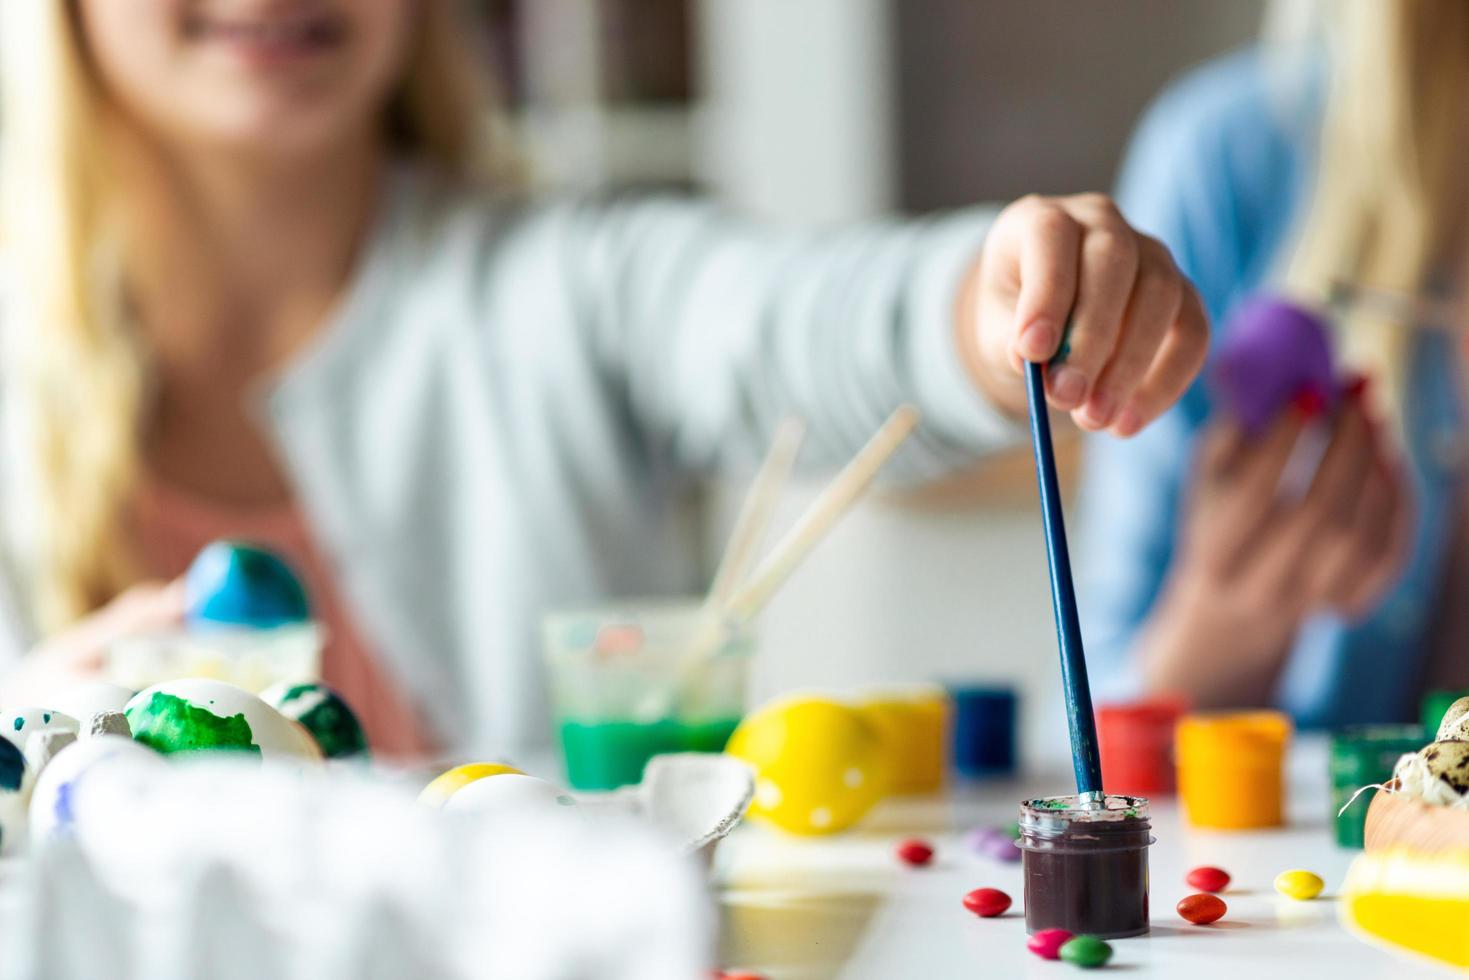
<point>195,714</point>
<point>24,725</point>
<point>510,793</point>
<point>87,698</point>
<point>15,791</point>
<point>53,797</point>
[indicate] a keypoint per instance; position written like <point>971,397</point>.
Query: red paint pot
<point>1136,743</point>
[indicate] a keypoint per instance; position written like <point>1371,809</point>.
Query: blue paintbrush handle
<point>1084,755</point>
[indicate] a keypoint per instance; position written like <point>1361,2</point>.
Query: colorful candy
<point>987,902</point>
<point>994,843</point>
<point>915,852</point>
<point>1299,884</point>
<point>1202,909</point>
<point>1047,943</point>
<point>1208,879</point>
<point>1087,952</point>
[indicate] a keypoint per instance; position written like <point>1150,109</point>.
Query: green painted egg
<point>324,714</point>
<point>206,715</point>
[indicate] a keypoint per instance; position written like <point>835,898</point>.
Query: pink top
<point>173,525</point>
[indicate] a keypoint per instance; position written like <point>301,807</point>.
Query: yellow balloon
<point>437,793</point>
<point>819,764</point>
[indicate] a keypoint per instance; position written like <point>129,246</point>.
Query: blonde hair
<point>77,379</point>
<point>1387,198</point>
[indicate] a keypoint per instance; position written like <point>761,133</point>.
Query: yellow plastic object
<point>913,725</point>
<point>1299,884</point>
<point>819,763</point>
<point>1411,901</point>
<point>437,793</point>
<point>1230,769</point>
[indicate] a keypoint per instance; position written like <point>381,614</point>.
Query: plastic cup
<point>625,687</point>
<point>1231,769</point>
<point>1136,745</point>
<point>1362,756</point>
<point>984,730</point>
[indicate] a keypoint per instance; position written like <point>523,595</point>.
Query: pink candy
<point>1047,943</point>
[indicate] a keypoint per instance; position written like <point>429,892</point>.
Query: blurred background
<point>817,111</point>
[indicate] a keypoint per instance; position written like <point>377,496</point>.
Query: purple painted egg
<point>1273,352</point>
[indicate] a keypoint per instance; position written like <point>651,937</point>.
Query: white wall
<point>900,594</point>
<point>798,99</point>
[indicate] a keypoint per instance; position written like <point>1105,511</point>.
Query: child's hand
<point>1138,331</point>
<point>77,652</point>
<point>1255,561</point>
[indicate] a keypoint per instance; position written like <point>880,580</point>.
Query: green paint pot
<point>1361,756</point>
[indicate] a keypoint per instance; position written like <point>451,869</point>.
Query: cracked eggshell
<point>198,714</point>
<point>1455,724</point>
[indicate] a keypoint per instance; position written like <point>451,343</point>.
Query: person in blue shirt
<point>1287,168</point>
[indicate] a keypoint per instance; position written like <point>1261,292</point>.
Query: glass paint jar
<point>1086,865</point>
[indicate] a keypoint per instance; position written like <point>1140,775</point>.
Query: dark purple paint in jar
<point>1086,867</point>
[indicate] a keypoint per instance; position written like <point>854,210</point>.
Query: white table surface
<point>845,907</point>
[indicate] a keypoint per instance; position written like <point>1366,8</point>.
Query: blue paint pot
<point>983,730</point>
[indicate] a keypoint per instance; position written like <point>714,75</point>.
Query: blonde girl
<point>257,283</point>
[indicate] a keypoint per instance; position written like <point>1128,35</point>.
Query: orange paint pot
<point>1231,769</point>
<point>1136,743</point>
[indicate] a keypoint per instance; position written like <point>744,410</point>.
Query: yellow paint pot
<point>913,725</point>
<point>1231,769</point>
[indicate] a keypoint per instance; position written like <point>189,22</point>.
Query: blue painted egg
<point>232,583</point>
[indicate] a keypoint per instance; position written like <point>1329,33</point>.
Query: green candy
<point>1087,952</point>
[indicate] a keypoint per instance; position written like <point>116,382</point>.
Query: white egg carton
<point>695,798</point>
<point>227,869</point>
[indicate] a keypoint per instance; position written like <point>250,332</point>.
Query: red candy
<point>1202,909</point>
<point>1208,879</point>
<point>987,902</point>
<point>915,852</point>
<point>1047,943</point>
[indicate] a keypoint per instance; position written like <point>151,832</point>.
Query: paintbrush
<point>756,511</point>
<point>1085,758</point>
<point>820,516</point>
<point>723,616</point>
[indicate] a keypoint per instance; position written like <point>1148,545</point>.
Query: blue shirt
<point>1220,170</point>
